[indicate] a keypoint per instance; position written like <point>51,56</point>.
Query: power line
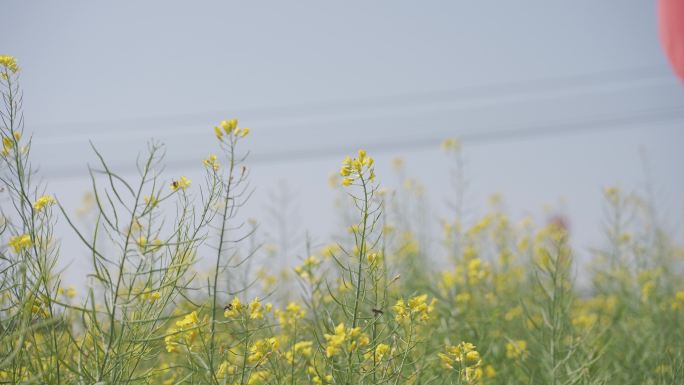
<point>289,124</point>
<point>321,109</point>
<point>595,124</point>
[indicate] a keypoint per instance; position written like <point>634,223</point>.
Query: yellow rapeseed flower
<point>151,201</point>
<point>678,301</point>
<point>378,354</point>
<point>465,359</point>
<point>345,340</point>
<point>8,144</point>
<point>142,241</point>
<point>262,349</point>
<point>229,128</point>
<point>9,62</point>
<point>229,125</point>
<point>181,184</point>
<point>516,349</point>
<point>233,308</point>
<point>211,162</point>
<point>360,167</point>
<point>417,305</point>
<point>302,348</point>
<point>225,369</point>
<point>184,333</point>
<point>20,242</point>
<point>257,309</point>
<point>71,292</point>
<point>219,133</point>
<point>43,201</point>
<point>451,145</point>
<point>288,317</point>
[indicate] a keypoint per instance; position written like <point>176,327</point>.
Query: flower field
<point>498,305</point>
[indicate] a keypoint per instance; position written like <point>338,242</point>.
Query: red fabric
<point>671,17</point>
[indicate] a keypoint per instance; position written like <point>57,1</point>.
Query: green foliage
<point>374,307</point>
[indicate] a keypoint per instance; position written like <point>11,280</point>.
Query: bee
<point>174,184</point>
<point>377,311</point>
<point>228,307</point>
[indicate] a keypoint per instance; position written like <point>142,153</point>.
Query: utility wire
<point>597,124</point>
<point>321,109</point>
<point>177,128</point>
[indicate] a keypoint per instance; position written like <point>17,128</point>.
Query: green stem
<point>224,220</point>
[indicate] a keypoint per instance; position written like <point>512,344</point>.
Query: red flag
<point>671,20</point>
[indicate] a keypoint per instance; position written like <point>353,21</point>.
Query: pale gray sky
<point>316,80</point>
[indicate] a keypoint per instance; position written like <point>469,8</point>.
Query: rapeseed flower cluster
<point>317,378</point>
<point>8,143</point>
<point>43,201</point>
<point>211,162</point>
<point>507,290</point>
<point>20,242</point>
<point>465,359</point>
<point>181,184</point>
<point>9,62</point>
<point>258,377</point>
<point>292,313</point>
<point>225,369</point>
<point>378,354</point>
<point>183,334</point>
<point>151,201</point>
<point>360,167</point>
<point>39,309</point>
<point>70,292</point>
<point>374,259</point>
<point>254,310</point>
<point>262,349</point>
<point>516,350</point>
<point>678,301</point>
<point>345,340</point>
<point>150,295</point>
<point>416,306</point>
<point>302,349</point>
<point>257,309</point>
<point>306,269</point>
<point>229,128</point>
<point>451,145</point>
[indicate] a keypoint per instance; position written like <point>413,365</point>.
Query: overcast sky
<point>554,100</point>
